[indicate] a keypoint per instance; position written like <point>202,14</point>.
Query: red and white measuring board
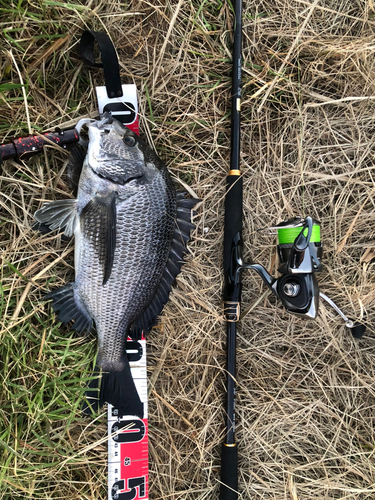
<point>128,435</point>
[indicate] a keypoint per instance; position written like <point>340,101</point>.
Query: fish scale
<point>142,257</point>
<point>131,228</point>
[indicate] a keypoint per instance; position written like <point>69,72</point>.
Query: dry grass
<point>305,399</point>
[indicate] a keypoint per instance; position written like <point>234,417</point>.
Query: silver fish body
<point>130,229</point>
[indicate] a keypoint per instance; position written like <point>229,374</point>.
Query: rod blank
<point>232,253</point>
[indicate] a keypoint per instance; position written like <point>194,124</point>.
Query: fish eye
<point>129,140</point>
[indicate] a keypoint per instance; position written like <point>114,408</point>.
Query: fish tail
<point>116,387</point>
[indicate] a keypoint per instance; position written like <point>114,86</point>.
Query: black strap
<point>109,59</point>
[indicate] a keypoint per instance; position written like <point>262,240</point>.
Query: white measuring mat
<point>128,435</point>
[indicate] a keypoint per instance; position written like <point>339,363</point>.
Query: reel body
<point>300,252</point>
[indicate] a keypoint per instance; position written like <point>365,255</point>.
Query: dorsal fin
<point>178,249</point>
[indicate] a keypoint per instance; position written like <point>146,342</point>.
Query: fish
<point>131,227</point>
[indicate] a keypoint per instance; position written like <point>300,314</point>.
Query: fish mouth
<point>83,122</point>
<point>107,123</point>
<point>104,124</point>
<point>105,119</point>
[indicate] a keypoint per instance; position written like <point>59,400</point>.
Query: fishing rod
<point>23,147</point>
<point>232,272</point>
<point>299,250</point>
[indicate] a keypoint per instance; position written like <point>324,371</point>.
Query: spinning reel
<point>300,252</point>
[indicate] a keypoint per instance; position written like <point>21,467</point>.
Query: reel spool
<point>300,252</point>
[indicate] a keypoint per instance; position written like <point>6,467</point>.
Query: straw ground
<point>305,398</point>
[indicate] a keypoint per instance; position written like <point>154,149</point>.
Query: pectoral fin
<point>98,223</point>
<point>61,214</point>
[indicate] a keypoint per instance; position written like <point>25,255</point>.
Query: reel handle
<point>358,330</point>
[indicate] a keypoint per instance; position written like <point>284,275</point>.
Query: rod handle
<point>233,215</point>
<point>229,472</point>
<point>33,144</point>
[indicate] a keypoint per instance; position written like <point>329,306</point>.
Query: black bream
<point>131,229</point>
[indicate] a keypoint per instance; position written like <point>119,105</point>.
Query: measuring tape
<point>128,435</point>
